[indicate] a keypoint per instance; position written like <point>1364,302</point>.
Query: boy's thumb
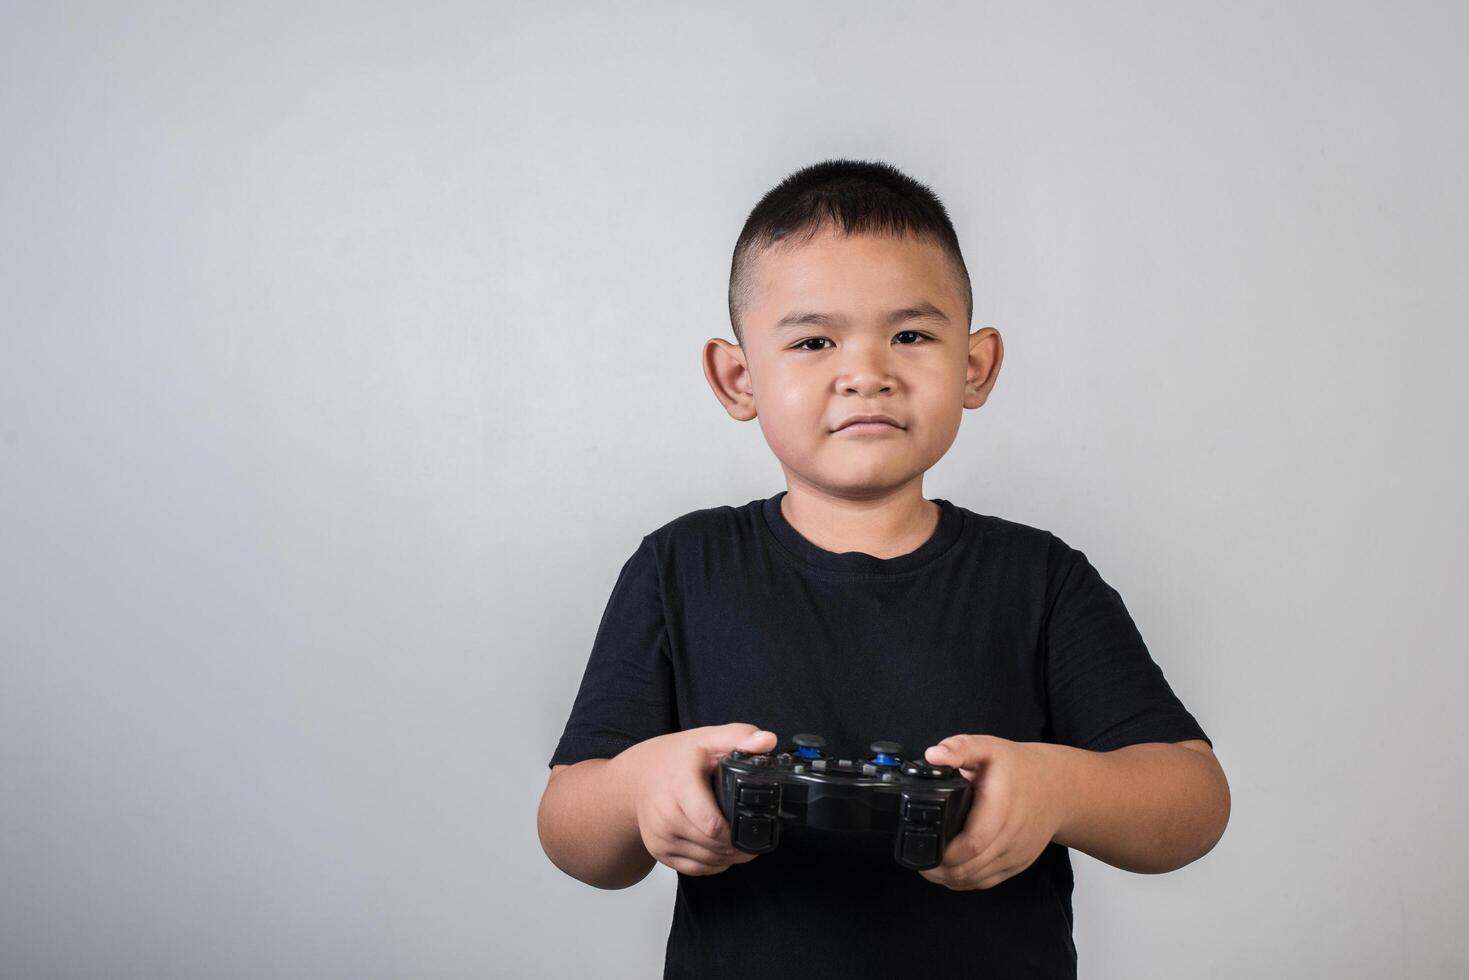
<point>737,735</point>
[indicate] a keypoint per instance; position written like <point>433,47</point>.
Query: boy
<point>851,606</point>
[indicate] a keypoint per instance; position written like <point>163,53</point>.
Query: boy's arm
<point>588,824</point>
<point>1149,808</point>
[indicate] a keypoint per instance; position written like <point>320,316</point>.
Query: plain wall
<point>349,350</point>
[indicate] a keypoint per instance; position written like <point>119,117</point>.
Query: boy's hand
<point>1018,806</point>
<point>678,816</point>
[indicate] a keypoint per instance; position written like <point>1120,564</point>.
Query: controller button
<point>868,769</point>
<point>819,764</point>
<point>757,796</point>
<point>923,812</point>
<point>799,767</point>
<point>759,760</point>
<point>920,848</point>
<point>784,757</point>
<point>737,755</point>
<point>923,770</point>
<point>752,832</point>
<point>889,777</point>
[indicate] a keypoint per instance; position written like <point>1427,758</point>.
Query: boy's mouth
<point>869,423</point>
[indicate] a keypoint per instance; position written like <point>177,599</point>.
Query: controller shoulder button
<point>920,848</point>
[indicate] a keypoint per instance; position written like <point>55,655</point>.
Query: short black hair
<point>854,196</point>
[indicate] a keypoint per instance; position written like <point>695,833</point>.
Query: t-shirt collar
<point>951,523</point>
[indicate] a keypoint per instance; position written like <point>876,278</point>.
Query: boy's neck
<point>887,526</point>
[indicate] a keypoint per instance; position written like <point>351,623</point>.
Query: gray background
<point>348,351</point>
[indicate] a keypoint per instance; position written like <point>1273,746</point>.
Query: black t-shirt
<point>990,627</point>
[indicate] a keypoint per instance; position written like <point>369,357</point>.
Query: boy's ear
<point>729,376</point>
<point>986,351</point>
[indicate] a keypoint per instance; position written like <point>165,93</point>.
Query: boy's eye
<point>917,336</point>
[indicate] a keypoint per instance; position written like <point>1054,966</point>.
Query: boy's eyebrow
<point>811,318</point>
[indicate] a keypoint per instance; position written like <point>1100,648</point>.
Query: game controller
<point>923,806</point>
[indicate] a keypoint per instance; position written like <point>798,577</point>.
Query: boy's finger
<point>696,852</point>
<point>982,832</point>
<point>699,814</point>
<point>982,827</point>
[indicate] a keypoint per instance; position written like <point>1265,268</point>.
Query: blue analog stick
<point>886,753</point>
<point>809,746</point>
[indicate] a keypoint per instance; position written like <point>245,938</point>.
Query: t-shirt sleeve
<point>1104,689</point>
<point>626,694</point>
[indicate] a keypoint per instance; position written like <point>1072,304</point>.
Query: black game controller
<point>922,805</point>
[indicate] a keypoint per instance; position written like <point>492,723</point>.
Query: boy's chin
<point>862,485</point>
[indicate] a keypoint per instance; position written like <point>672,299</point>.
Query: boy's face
<point>844,326</point>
